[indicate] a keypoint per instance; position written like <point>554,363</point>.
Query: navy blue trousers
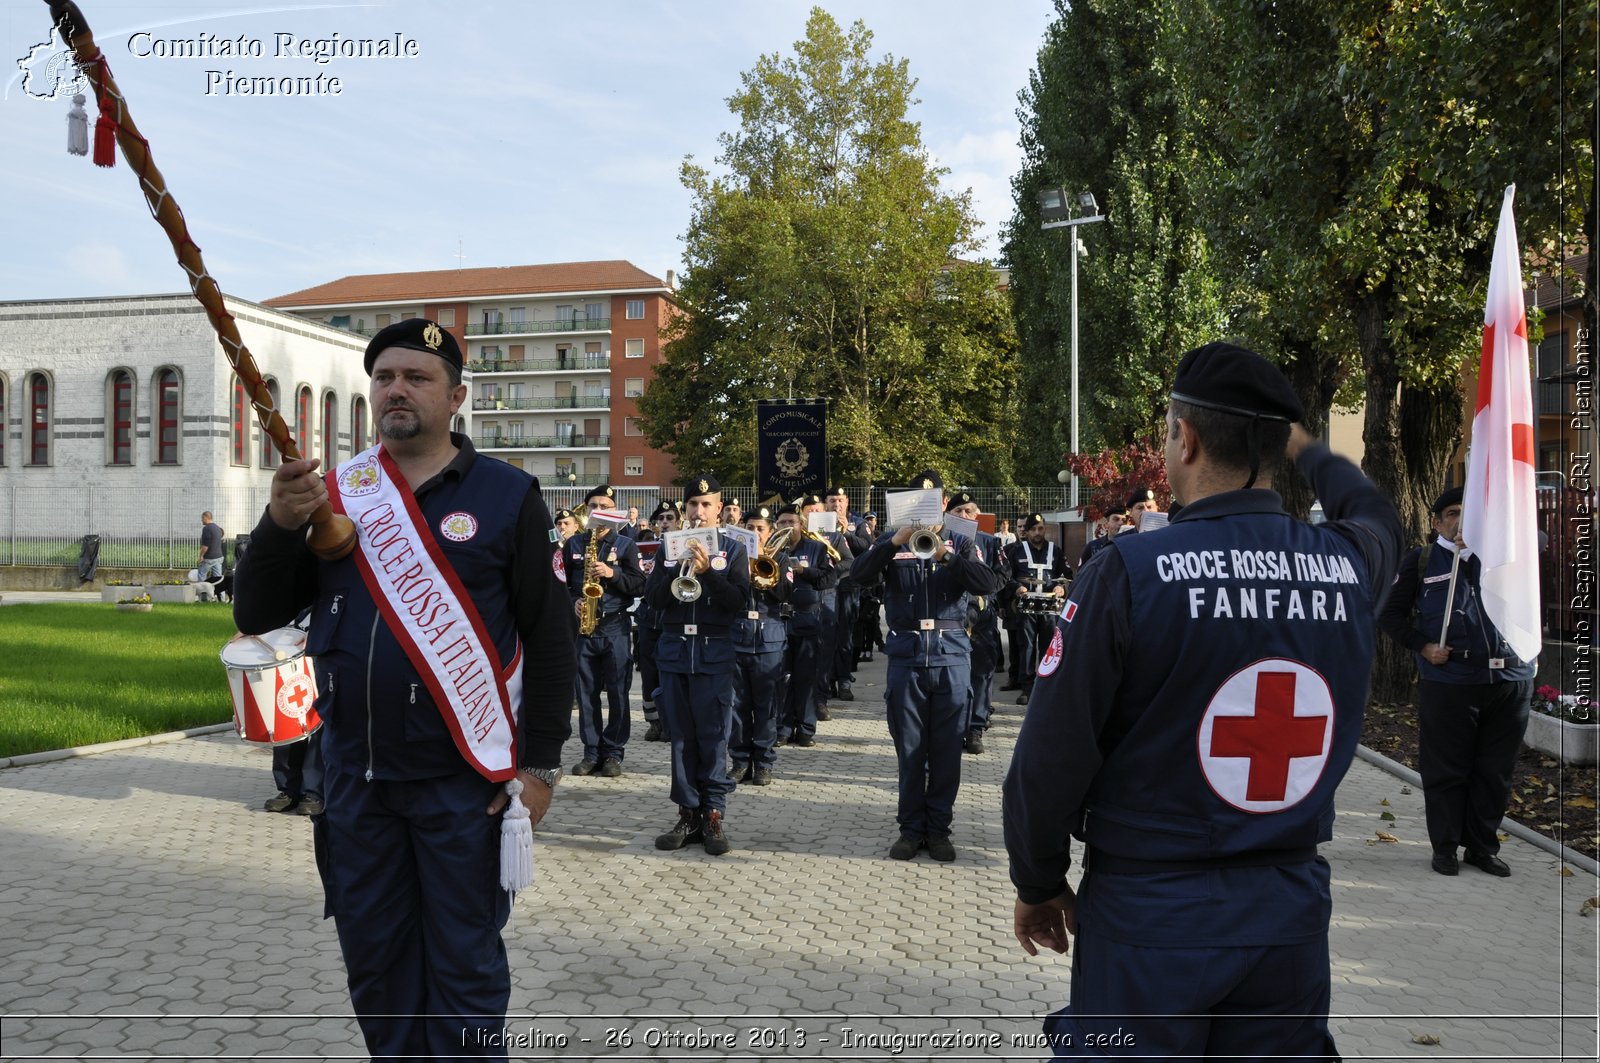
<point>411,871</point>
<point>847,605</point>
<point>698,710</point>
<point>645,641</point>
<point>603,667</point>
<point>928,722</point>
<point>758,691</point>
<point>1267,1002</point>
<point>800,696</point>
<point>297,767</point>
<point>985,661</point>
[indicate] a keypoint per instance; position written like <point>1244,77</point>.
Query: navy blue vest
<point>1473,638</point>
<point>378,712</point>
<point>1251,630</point>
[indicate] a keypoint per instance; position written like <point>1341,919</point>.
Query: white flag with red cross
<point>1497,507</point>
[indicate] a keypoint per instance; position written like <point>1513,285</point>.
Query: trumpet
<point>924,543</point>
<point>764,566</point>
<point>685,588</point>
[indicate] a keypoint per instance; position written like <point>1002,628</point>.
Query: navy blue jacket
<point>1219,732</point>
<point>1473,639</point>
<point>626,581</point>
<point>378,713</point>
<point>708,648</point>
<point>925,602</point>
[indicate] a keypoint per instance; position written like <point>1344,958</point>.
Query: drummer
<point>297,770</point>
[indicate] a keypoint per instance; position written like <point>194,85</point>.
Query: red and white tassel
<point>105,135</point>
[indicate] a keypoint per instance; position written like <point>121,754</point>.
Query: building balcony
<point>559,402</point>
<point>541,442</point>
<point>581,363</point>
<point>533,328</point>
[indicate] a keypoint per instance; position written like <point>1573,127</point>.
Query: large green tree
<point>824,259</point>
<point>1102,113</point>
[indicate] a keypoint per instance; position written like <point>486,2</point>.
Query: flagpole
<point>1450,599</point>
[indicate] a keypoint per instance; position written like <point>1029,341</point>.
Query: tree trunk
<point>1315,374</point>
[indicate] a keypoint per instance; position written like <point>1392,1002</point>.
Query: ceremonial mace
<point>330,536</point>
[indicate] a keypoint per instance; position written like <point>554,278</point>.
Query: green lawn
<point>74,674</point>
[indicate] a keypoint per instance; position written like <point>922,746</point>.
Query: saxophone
<point>589,604</point>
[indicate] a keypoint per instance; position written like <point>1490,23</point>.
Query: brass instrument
<point>764,570</point>
<point>685,587</point>
<point>581,515</point>
<point>823,539</point>
<point>589,604</point>
<point>924,543</point>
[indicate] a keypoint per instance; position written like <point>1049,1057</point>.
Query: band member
<point>869,632</point>
<point>732,514</point>
<point>983,623</point>
<point>929,673</point>
<point>1034,563</point>
<point>601,559</point>
<point>1111,522</point>
<point>847,602</point>
<point>696,658</point>
<point>815,574</point>
<point>825,678</point>
<point>604,496</point>
<point>760,639</point>
<point>455,552</point>
<point>647,629</point>
<point>566,524</point>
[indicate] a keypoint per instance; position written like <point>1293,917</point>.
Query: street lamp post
<point>1057,209</point>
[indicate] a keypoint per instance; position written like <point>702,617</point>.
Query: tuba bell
<point>764,566</point>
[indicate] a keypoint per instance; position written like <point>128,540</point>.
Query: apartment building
<point>558,356</point>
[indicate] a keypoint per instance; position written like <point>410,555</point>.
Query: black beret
<point>870,516</point>
<point>1451,497</point>
<point>760,513</point>
<point>808,500</point>
<point>960,498</point>
<point>836,491</point>
<point>663,509</point>
<point>925,479</point>
<point>562,514</point>
<point>1139,497</point>
<point>788,507</point>
<point>417,334</point>
<point>704,484</point>
<point>1230,379</point>
<point>1033,519</point>
<point>603,490</point>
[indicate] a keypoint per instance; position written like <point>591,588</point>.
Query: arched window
<point>269,453</point>
<point>239,453</point>
<point>169,416</point>
<point>38,392</point>
<point>302,421</point>
<point>119,418</point>
<point>358,425</point>
<point>330,430</point>
<point>460,425</point>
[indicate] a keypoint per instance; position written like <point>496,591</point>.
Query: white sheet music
<point>608,518</point>
<point>1151,521</point>
<point>676,543</point>
<point>922,507</point>
<point>743,536</point>
<point>822,522</point>
<point>954,525</point>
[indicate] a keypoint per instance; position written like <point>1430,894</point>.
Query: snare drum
<point>273,687</point>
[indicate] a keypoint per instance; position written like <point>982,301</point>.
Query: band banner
<point>791,447</point>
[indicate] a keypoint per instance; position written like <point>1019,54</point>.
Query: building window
<point>302,421</point>
<point>358,425</point>
<point>269,453</point>
<point>591,468</point>
<point>633,387</point>
<point>381,321</point>
<point>460,426</point>
<point>408,315</point>
<point>169,417</point>
<point>330,430</point>
<point>238,438</point>
<point>1550,397</point>
<point>38,392</point>
<point>519,316</point>
<point>447,317</point>
<point>635,309</point>
<point>565,314</point>
<point>120,437</point>
<point>594,312</point>
<point>633,466</point>
<point>339,321</point>
<point>633,348</point>
<point>630,427</point>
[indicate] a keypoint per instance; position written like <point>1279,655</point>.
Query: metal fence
<point>160,527</point>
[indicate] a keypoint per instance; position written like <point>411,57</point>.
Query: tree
<point>825,260</point>
<point>1102,113</point>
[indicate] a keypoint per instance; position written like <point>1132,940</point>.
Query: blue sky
<point>520,133</point>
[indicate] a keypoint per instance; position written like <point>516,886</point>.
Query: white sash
<point>430,613</point>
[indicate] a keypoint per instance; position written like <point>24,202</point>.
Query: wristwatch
<point>548,776</point>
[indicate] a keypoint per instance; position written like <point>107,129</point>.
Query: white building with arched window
<point>121,417</point>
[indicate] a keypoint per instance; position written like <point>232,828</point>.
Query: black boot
<point>711,835</point>
<point>686,830</point>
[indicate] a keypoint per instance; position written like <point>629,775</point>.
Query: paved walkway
<point>151,910</point>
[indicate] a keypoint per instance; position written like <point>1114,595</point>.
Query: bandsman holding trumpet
<point>603,578</point>
<point>698,601</point>
<point>926,588</point>
<point>566,525</point>
<point>815,573</point>
<point>760,639</point>
<point>647,633</point>
<point>983,624</point>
